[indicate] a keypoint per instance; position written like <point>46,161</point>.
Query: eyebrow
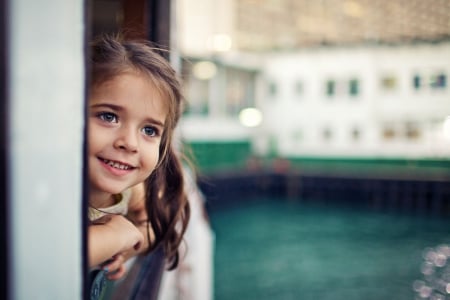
<point>120,108</point>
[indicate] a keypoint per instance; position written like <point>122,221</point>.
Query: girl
<point>134,106</point>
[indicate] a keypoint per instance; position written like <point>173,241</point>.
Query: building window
<point>417,82</point>
<point>272,89</point>
<point>388,132</point>
<point>330,88</point>
<point>388,83</point>
<point>196,90</point>
<point>438,81</point>
<point>412,131</point>
<point>327,134</point>
<point>239,90</point>
<point>353,87</point>
<point>299,88</point>
<point>356,134</point>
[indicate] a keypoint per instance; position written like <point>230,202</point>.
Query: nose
<point>127,139</point>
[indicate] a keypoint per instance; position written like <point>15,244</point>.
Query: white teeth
<point>116,165</point>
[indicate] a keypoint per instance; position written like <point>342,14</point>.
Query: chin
<point>112,188</point>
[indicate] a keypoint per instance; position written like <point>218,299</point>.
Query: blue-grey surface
<point>46,91</point>
<point>279,249</point>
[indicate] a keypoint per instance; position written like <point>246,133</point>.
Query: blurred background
<point>321,133</point>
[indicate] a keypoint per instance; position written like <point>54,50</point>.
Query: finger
<point>114,264</point>
<point>119,273</point>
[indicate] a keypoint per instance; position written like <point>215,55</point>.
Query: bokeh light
<point>250,117</point>
<point>446,128</point>
<point>204,70</point>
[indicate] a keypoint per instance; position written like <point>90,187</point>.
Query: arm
<point>113,237</point>
<point>137,214</point>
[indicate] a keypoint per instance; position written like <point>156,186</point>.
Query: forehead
<point>131,89</point>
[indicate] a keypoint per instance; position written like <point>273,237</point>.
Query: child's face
<point>126,122</point>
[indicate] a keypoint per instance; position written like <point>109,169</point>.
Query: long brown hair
<point>166,203</point>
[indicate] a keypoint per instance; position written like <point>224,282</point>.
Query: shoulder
<point>120,206</point>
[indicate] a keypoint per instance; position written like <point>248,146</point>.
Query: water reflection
<point>435,284</point>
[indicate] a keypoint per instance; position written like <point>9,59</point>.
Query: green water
<point>276,249</point>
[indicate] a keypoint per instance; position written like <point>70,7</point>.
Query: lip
<point>116,167</point>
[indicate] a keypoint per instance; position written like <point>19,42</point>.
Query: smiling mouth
<point>116,164</point>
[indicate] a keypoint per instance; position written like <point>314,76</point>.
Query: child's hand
<point>128,235</point>
<point>114,235</point>
<point>115,267</point>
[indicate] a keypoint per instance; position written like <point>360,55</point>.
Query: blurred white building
<point>357,101</point>
<point>360,83</point>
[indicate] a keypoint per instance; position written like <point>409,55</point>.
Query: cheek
<point>96,138</point>
<point>152,156</point>
<point>92,140</point>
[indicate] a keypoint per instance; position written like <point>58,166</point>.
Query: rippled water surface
<point>280,249</point>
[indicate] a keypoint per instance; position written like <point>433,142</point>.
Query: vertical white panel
<point>47,94</point>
